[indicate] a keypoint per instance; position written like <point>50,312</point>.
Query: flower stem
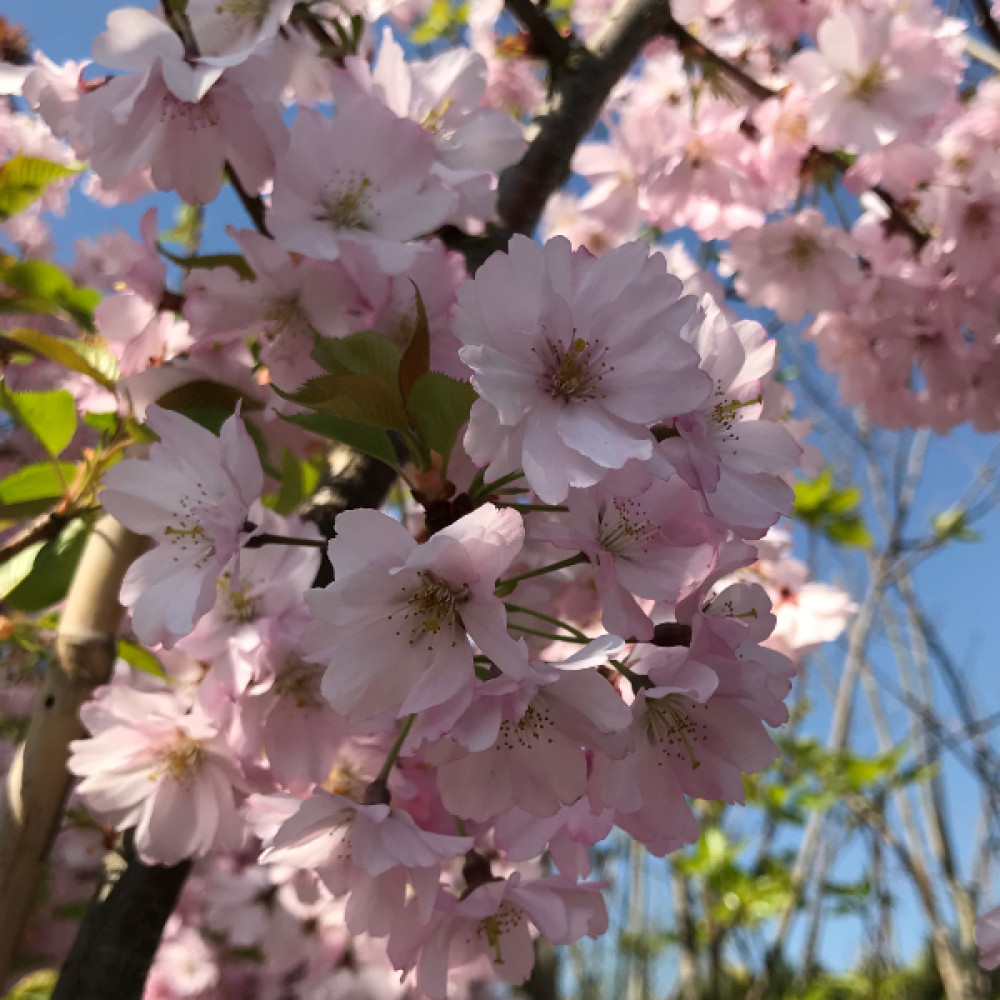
<point>511,581</point>
<point>486,489</point>
<point>259,541</point>
<point>547,635</point>
<point>397,745</point>
<point>518,609</point>
<point>636,680</point>
<point>549,508</point>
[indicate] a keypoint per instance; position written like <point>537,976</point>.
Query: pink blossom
<point>472,143</point>
<point>287,301</point>
<point>574,358</point>
<point>654,543</point>
<point>184,119</point>
<point>371,852</point>
<point>227,31</point>
<point>988,938</point>
<point>492,923</point>
<point>192,495</point>
<point>363,179</point>
<point>735,458</point>
<point>405,612</point>
<point>520,744</point>
<point>873,78</point>
<point>796,265</point>
<point>152,766</point>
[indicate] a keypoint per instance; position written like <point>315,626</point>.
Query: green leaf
<point>206,402</point>
<point>194,262</point>
<point>850,532</point>
<point>51,571</point>
<point>370,440</point>
<point>92,360</point>
<point>440,404</point>
<point>17,568</point>
<point>140,658</point>
<point>47,288</point>
<point>416,359</point>
<point>34,986</point>
<point>33,489</point>
<point>106,423</point>
<point>50,416</point>
<point>24,179</point>
<point>298,480</point>
<point>953,525</point>
<point>810,496</point>
<point>364,399</point>
<point>368,352</point>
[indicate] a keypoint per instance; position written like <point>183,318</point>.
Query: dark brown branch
<point>986,21</point>
<point>546,39</point>
<point>120,932</point>
<point>694,49</point>
<point>253,203</point>
<point>41,529</point>
<point>579,94</point>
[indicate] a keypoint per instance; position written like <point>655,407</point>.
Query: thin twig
<point>546,39</point>
<point>253,203</point>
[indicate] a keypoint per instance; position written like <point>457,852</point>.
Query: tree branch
<point>579,94</point>
<point>546,39</point>
<point>121,930</point>
<point>985,20</point>
<point>31,805</point>
<point>253,203</point>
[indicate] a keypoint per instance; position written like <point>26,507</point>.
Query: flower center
<point>186,533</point>
<point>433,606</point>
<point>433,120</point>
<point>575,372</point>
<point>669,725</point>
<point>282,314</point>
<point>528,732</point>
<point>300,682</point>
<point>505,920</point>
<point>623,524</point>
<point>180,759</point>
<point>869,85</point>
<point>240,605</point>
<point>350,207</point>
<point>254,11</point>
<point>802,250</point>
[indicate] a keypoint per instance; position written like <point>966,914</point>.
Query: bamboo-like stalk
<point>34,793</point>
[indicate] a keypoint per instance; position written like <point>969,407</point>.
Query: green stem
<point>517,608</point>
<point>486,488</point>
<point>541,571</point>
<point>460,826</point>
<point>637,681</point>
<point>549,508</point>
<point>393,754</point>
<point>547,635</point>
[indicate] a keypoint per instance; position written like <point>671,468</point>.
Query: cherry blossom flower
<point>492,923</point>
<point>393,629</point>
<point>192,495</point>
<point>796,265</point>
<point>472,143</point>
<point>988,938</point>
<point>151,765</point>
<point>574,358</point>
<point>185,119</point>
<point>363,179</point>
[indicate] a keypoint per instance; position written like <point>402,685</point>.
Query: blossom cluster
<point>899,297</point>
<point>581,618</point>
